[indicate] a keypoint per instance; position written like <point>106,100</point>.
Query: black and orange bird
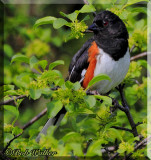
<point>107,52</point>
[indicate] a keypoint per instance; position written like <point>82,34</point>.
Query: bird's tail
<point>55,121</point>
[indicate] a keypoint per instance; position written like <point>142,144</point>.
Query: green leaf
<point>53,108</point>
<point>8,87</point>
<point>8,50</point>
<point>8,137</point>
<point>69,84</point>
<point>95,148</point>
<point>90,100</point>
<point>139,9</point>
<point>76,147</point>
<point>45,20</point>
<point>10,93</point>
<point>115,133</point>
<point>142,63</point>
<point>76,86</point>
<point>131,2</point>
<point>86,18</point>
<point>35,93</point>
<point>87,9</point>
<point>12,109</point>
<point>107,100</point>
<point>43,64</point>
<point>33,132</point>
<point>20,58</point>
<point>58,23</point>
<point>17,130</point>
<point>69,107</point>
<point>56,63</point>
<point>71,137</point>
<point>71,16</point>
<point>98,78</point>
<point>33,61</point>
<point>58,73</point>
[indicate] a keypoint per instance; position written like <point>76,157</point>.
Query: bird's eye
<point>105,22</point>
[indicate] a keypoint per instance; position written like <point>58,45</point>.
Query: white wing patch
<point>83,75</point>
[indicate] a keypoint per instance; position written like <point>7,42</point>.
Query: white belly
<point>116,70</point>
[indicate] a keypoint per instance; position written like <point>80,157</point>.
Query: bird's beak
<point>92,27</point>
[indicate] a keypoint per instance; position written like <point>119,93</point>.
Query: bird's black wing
<point>79,62</point>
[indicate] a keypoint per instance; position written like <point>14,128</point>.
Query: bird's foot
<point>94,92</point>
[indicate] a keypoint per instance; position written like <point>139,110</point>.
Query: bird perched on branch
<point>106,52</point>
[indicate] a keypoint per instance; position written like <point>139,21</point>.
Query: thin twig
<point>132,48</point>
<point>114,156</point>
<point>109,149</point>
<point>8,144</point>
<point>86,2</point>
<point>141,144</point>
<point>127,112</point>
<point>117,105</point>
<point>138,56</point>
<point>12,99</point>
<point>137,124</point>
<point>42,113</point>
<point>122,128</point>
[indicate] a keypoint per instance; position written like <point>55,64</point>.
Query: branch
<point>138,56</point>
<point>132,48</point>
<point>42,113</point>
<point>8,144</point>
<point>122,128</point>
<point>127,111</point>
<point>11,100</point>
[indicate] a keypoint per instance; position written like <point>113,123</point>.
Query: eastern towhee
<point>106,52</point>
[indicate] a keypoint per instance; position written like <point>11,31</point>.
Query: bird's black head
<point>108,25</point>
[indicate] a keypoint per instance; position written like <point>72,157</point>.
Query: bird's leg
<point>94,92</point>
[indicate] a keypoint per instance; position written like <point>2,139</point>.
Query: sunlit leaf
<point>90,100</point>
<point>56,63</point>
<point>53,108</point>
<point>8,137</point>
<point>95,148</point>
<point>45,20</point>
<point>8,87</point>
<point>98,78</point>
<point>58,23</point>
<point>106,99</point>
<point>33,61</point>
<point>87,9</point>
<point>20,58</point>
<point>76,86</point>
<point>71,16</point>
<point>17,130</point>
<point>43,64</point>
<point>12,109</point>
<point>131,2</point>
<point>69,84</point>
<point>35,93</point>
